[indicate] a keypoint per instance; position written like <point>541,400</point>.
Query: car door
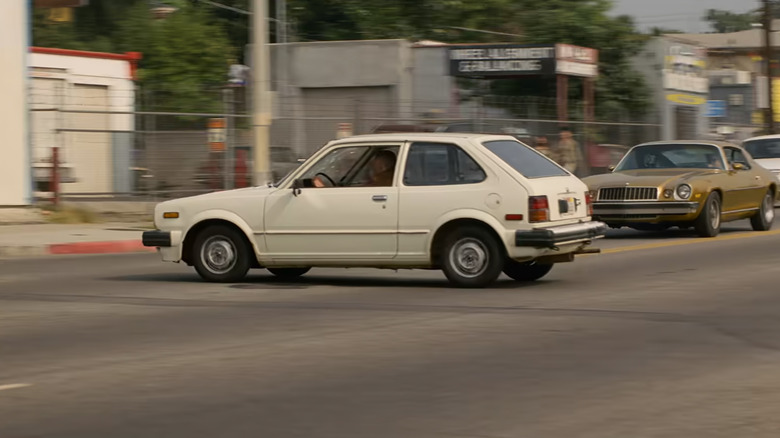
<point>344,220</point>
<point>745,190</point>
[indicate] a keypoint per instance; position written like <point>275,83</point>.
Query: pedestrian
<point>568,151</point>
<point>543,145</point>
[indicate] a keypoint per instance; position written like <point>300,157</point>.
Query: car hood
<point>769,163</point>
<point>646,177</point>
<point>205,200</point>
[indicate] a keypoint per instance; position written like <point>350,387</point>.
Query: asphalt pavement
<point>661,335</point>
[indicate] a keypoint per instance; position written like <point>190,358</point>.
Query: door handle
<point>379,198</point>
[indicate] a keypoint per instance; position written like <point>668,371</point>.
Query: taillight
<point>589,202</point>
<point>538,209</point>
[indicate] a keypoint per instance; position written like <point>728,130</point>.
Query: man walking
<point>568,151</point>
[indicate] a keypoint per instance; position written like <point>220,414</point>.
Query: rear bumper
<point>564,235</point>
<point>156,238</point>
<point>655,208</point>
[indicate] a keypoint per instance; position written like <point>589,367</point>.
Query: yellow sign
<point>686,99</point>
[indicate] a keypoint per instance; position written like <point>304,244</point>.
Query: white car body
<point>385,227</point>
<point>772,162</point>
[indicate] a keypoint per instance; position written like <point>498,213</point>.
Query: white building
<point>82,103</point>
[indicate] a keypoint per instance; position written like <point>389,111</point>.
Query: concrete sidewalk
<point>52,239</point>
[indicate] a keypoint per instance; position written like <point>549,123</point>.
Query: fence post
<point>227,100</point>
<point>55,175</point>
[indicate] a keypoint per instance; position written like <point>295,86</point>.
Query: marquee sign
<point>504,60</point>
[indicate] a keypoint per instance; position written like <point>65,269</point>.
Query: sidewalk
<point>34,240</point>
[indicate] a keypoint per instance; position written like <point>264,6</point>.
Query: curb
<point>110,247</point>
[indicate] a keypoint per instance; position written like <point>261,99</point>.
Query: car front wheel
<point>765,216</point>
<point>526,271</point>
<point>708,222</point>
<point>472,257</point>
<point>221,254</point>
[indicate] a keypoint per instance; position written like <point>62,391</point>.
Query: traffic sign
<point>716,108</point>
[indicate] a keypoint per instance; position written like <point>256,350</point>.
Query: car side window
<point>736,156</point>
<point>432,164</point>
<point>359,166</point>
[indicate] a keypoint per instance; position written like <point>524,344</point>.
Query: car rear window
<point>526,161</point>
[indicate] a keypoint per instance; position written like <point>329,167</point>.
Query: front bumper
<point>563,235</point>
<point>156,238</point>
<point>654,208</point>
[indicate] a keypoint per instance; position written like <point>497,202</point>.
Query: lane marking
<point>14,386</point>
<point>720,238</point>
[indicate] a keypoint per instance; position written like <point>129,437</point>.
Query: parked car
<point>471,205</point>
<point>696,184</point>
<point>766,151</point>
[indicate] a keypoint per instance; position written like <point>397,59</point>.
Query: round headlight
<point>684,191</point>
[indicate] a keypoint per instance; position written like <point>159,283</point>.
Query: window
<point>735,156</point>
<point>526,161</point>
<point>759,149</point>
<point>433,164</point>
<point>672,156</point>
<point>360,166</point>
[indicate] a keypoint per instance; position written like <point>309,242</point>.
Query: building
<point>675,72</point>
<point>82,103</point>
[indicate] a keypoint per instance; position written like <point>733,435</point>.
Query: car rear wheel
<point>221,254</point>
<point>526,271</point>
<point>763,220</point>
<point>471,257</point>
<point>708,222</point>
<point>288,273</point>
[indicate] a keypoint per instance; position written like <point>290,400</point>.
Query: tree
<point>185,56</point>
<point>726,22</point>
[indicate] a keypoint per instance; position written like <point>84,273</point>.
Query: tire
<point>526,271</point>
<point>221,254</point>
<point>762,221</point>
<point>288,273</point>
<point>472,257</point>
<point>708,222</point>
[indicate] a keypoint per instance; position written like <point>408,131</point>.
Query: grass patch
<point>70,215</point>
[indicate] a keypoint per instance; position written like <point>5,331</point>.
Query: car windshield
<point>525,160</point>
<point>760,149</point>
<point>672,156</point>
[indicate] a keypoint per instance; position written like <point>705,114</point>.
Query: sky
<point>684,15</point>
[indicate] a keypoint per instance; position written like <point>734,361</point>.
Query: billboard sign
<point>508,60</point>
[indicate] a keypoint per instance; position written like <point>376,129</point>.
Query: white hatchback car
<point>766,151</point>
<point>473,205</point>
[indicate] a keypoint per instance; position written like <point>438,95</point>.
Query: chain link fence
<point>108,150</point>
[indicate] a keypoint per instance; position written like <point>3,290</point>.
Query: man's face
<point>565,135</point>
<point>379,164</point>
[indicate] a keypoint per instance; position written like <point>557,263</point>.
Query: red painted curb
<point>114,247</point>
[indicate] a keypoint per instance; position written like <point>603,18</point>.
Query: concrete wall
<point>433,87</point>
<point>15,184</point>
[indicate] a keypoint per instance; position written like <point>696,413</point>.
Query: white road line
<point>14,386</point>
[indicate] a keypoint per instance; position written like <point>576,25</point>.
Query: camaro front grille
<point>628,194</point>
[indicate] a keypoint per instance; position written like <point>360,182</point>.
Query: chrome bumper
<point>565,234</point>
<point>647,208</point>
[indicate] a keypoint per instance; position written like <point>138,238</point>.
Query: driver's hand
<point>318,182</point>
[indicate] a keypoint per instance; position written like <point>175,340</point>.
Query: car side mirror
<point>611,167</point>
<point>738,166</point>
<point>297,185</point>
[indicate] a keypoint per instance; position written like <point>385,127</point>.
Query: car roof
<point>423,136</point>
<point>764,137</point>
<point>718,143</point>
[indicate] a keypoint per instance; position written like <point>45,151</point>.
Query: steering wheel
<point>330,180</point>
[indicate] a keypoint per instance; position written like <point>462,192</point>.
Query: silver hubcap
<point>714,214</point>
<point>469,257</point>
<point>769,208</point>
<point>218,254</point>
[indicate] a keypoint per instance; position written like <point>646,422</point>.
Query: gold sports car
<point>697,184</point>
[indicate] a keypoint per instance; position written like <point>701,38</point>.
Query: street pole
<point>261,92</point>
<point>770,113</point>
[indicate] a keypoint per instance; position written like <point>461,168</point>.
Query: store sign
<point>576,61</point>
<point>691,84</point>
<point>686,99</point>
<point>501,60</point>
<point>506,60</point>
<point>217,134</point>
<point>685,70</point>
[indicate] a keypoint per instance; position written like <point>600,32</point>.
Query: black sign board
<point>502,60</point>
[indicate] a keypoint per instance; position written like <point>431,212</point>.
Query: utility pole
<point>770,113</point>
<point>261,93</point>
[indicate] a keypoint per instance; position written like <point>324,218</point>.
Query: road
<point>662,335</point>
